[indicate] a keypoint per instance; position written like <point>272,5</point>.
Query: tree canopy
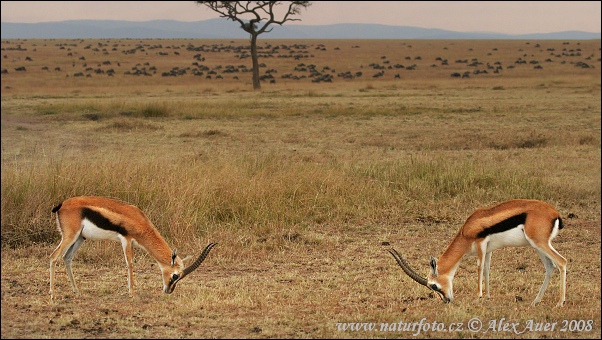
<point>255,17</point>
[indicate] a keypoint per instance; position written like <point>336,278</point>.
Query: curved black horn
<point>406,268</point>
<point>198,261</point>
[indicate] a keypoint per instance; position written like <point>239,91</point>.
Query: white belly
<point>92,232</point>
<point>514,237</point>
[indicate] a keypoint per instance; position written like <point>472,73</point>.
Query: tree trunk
<point>256,83</point>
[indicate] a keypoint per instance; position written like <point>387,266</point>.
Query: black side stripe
<point>507,224</point>
<point>55,209</point>
<point>102,222</point>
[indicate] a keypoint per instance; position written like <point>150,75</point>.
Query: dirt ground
<point>233,297</point>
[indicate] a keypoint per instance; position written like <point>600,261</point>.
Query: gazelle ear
<point>174,254</point>
<point>433,264</point>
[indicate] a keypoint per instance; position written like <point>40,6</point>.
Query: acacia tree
<point>255,17</point>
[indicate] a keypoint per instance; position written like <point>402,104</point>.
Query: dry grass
<point>303,185</point>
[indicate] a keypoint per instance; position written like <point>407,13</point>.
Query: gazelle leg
<point>487,266</point>
<point>69,256</point>
<point>560,262</point>
<point>128,252</point>
<point>550,257</point>
<point>66,242</point>
<point>549,265</point>
<point>481,264</point>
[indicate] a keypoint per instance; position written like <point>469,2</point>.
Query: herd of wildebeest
<point>76,65</point>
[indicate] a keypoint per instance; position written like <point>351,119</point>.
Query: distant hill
<point>225,29</point>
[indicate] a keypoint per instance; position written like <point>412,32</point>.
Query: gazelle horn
<point>406,268</point>
<point>198,261</point>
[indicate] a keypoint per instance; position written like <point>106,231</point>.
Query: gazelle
<point>514,223</point>
<point>101,218</point>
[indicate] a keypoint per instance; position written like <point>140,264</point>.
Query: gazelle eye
<point>175,277</point>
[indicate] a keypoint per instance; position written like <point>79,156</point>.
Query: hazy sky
<point>511,17</point>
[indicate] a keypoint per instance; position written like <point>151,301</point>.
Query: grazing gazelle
<point>514,223</point>
<point>101,218</point>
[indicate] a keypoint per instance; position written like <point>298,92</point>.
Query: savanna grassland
<point>304,185</point>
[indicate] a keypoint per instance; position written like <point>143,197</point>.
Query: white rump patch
<point>555,229</point>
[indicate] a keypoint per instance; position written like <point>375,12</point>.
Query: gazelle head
<point>176,272</point>
<point>440,284</point>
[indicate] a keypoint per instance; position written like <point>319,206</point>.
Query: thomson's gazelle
<point>101,218</point>
<point>514,223</point>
